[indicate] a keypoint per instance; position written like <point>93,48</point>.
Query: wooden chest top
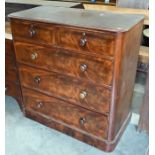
<point>80,18</point>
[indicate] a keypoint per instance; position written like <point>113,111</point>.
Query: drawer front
<point>33,31</point>
<point>80,40</point>
<point>77,92</point>
<point>80,66</point>
<point>72,115</point>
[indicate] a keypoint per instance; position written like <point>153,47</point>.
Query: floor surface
<point>27,137</point>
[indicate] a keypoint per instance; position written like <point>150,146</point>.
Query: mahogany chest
<point>77,70</point>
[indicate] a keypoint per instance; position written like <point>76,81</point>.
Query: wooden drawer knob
<point>34,56</point>
<point>83,67</point>
<point>82,120</point>
<point>83,95</point>
<point>32,32</point>
<point>83,40</point>
<point>39,105</point>
<point>37,79</point>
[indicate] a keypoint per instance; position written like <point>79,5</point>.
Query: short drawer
<point>86,41</point>
<point>85,94</point>
<point>33,31</point>
<point>74,116</point>
<point>80,66</point>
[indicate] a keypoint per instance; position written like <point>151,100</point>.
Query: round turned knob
<point>32,32</point>
<point>83,34</point>
<point>34,56</point>
<point>37,79</point>
<point>83,67</point>
<point>83,94</point>
<point>83,42</point>
<point>39,105</point>
<point>82,120</point>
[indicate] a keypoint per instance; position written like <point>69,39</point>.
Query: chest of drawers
<point>77,70</point>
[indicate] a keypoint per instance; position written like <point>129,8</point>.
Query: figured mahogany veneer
<point>66,62</point>
<point>66,88</point>
<point>77,70</point>
<point>93,123</point>
<point>98,43</point>
<point>40,33</point>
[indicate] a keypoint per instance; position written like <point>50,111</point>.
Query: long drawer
<point>74,116</point>
<point>75,91</point>
<point>79,66</point>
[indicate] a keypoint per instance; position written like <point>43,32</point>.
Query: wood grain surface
<point>96,70</point>
<point>97,20</point>
<point>55,92</point>
<point>97,97</point>
<point>93,123</point>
